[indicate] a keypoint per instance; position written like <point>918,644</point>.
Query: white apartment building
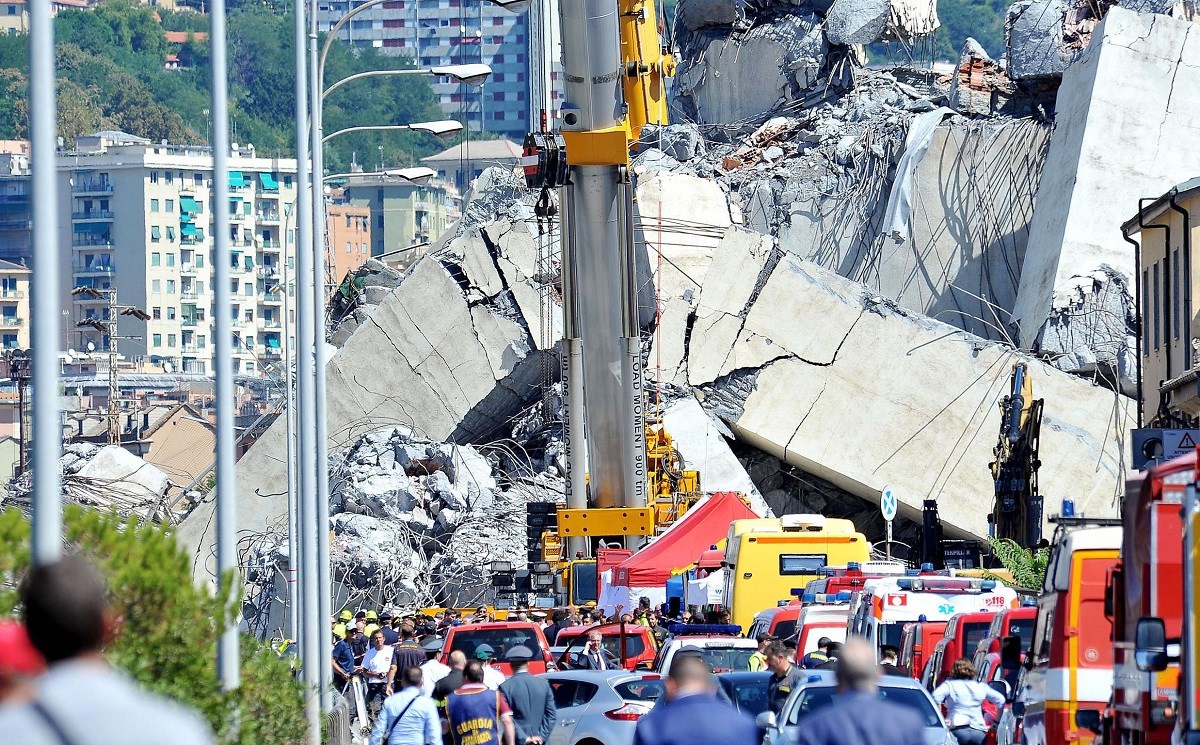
<point>140,223</point>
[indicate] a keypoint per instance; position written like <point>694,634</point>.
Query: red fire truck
<point>1146,584</point>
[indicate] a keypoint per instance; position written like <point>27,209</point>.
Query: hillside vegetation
<point>111,76</point>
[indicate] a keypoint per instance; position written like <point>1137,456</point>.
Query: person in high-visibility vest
<point>758,660</point>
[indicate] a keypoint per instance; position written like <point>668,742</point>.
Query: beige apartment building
<point>14,305</point>
<point>140,223</point>
<point>349,230</point>
<point>1167,233</point>
<point>405,217</point>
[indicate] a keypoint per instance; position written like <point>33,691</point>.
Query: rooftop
<point>501,150</point>
<point>9,266</point>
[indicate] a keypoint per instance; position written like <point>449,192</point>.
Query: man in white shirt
<point>375,666</point>
<point>433,670</point>
<point>492,678</point>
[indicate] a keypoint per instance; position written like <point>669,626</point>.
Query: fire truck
<point>1143,587</point>
<point>884,606</point>
<point>1069,676</point>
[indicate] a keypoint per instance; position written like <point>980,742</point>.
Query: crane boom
<point>614,70</point>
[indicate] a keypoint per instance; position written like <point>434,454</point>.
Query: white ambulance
<point>880,610</point>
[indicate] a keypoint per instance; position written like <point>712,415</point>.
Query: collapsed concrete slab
<point>790,355</point>
<point>1126,122</point>
<point>450,354</point>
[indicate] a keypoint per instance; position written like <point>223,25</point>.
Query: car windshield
<point>816,698</point>
<point>466,640</point>
<point>634,644</point>
<point>784,630</point>
<point>973,633</point>
<point>749,693</point>
<point>642,689</point>
<point>725,659</point>
<point>891,633</point>
<point>584,582</point>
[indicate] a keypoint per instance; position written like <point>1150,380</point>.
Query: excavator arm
<point>1017,512</point>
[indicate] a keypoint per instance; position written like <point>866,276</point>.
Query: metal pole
<point>310,643</point>
<point>227,562</point>
<point>289,403</point>
<point>324,573</point>
<point>114,389</point>
<point>47,442</point>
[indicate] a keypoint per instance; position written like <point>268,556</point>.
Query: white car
<point>723,651</point>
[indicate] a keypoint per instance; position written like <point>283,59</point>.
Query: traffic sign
<point>1179,442</point>
<point>888,504</point>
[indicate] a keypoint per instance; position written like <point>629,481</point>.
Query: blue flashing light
<point>922,618</point>
<point>905,583</point>
<point>808,597</point>
<point>927,567</point>
<point>797,591</point>
<point>1028,602</point>
<point>1068,508</point>
<point>814,679</point>
<point>705,629</point>
<point>843,596</point>
<point>853,566</point>
<point>912,572</point>
<point>988,584</point>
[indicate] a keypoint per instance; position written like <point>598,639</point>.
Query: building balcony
<point>268,271</point>
<point>272,246</point>
<point>188,270</point>
<point>12,294</point>
<point>16,224</point>
<point>92,216</point>
<point>93,269</point>
<point>87,300</point>
<point>11,322</point>
<point>189,297</point>
<point>191,349</point>
<point>271,298</point>
<point>268,218</point>
<point>91,243</point>
<point>268,193</point>
<point>269,324</point>
<point>271,353</point>
<point>91,187</point>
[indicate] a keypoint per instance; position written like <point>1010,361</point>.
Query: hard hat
<point>371,629</point>
<point>484,652</point>
<point>340,630</point>
<point>372,616</point>
<point>346,615</point>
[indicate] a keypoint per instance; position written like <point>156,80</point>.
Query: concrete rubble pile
<point>107,477</point>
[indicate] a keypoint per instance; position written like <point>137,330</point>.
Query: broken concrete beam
<point>449,354</point>
<point>911,19</point>
<point>739,83</point>
<point>926,394</point>
<point>1125,127</point>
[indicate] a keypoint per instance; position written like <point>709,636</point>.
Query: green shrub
<point>169,625</point>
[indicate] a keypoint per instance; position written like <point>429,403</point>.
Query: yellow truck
<point>768,558</point>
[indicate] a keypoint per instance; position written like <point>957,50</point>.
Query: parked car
<point>746,691</point>
<point>820,690</point>
<point>639,644</point>
<point>600,707</point>
<point>721,647</point>
<point>501,636</point>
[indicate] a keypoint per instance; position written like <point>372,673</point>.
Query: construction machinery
<point>1017,513</point>
<point>624,478</point>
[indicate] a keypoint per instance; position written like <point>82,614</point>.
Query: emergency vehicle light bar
<point>946,586</point>
<point>825,598</point>
<point>702,629</point>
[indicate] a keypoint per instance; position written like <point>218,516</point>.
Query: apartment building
<point>140,224</point>
<point>452,32</point>
<point>404,217</point>
<point>1167,231</point>
<point>14,305</point>
<point>462,163</point>
<point>15,236</point>
<point>349,239</point>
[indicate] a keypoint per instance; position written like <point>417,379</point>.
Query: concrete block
<point>1033,32</point>
<point>1125,127</point>
<point>926,439</point>
<point>695,14</point>
<point>856,21</point>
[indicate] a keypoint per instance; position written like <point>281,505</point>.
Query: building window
<point>155,259</point>
<point>170,177</point>
<point>154,205</point>
<point>156,286</point>
<point>154,177</point>
<point>170,340</point>
<point>170,259</point>
<point>170,205</point>
<point>170,287</point>
<point>156,313</point>
<point>158,340</point>
<point>1157,307</point>
<point>200,341</point>
<point>170,234</point>
<point>170,311</point>
<point>349,246</point>
<point>248,290</point>
<point>155,234</point>
<point>12,10</point>
<point>198,179</point>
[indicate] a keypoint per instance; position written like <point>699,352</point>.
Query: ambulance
<point>822,614</point>
<point>884,606</point>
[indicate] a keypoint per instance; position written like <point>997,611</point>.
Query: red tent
<point>679,547</point>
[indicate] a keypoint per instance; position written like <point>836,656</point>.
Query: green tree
<point>169,625</point>
<point>1028,568</point>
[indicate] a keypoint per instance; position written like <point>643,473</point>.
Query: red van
<point>501,637</point>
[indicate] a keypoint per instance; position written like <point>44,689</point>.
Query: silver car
<point>600,706</point>
<point>820,690</point>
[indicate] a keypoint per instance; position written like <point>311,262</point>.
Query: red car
<point>639,644</point>
<point>501,637</point>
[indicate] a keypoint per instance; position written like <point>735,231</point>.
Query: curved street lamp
<point>472,74</point>
<point>445,129</point>
<point>417,175</point>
